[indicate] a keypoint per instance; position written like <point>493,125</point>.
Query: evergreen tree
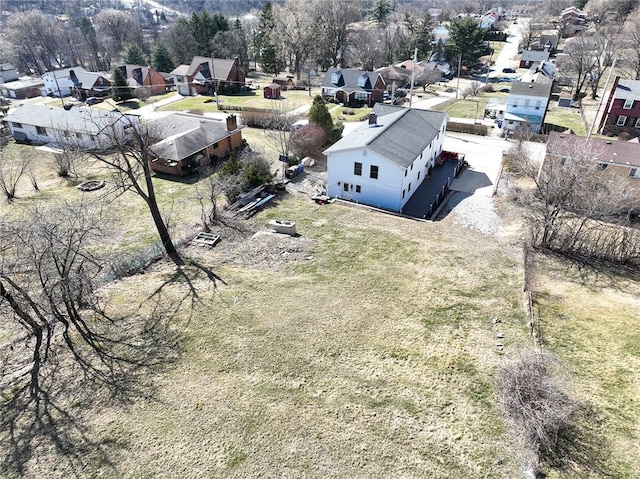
<point>380,11</point>
<point>422,37</point>
<point>466,40</point>
<point>119,88</point>
<point>133,55</point>
<point>270,60</point>
<point>204,27</point>
<point>319,114</point>
<point>161,58</point>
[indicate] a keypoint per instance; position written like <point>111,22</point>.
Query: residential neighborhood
<point>319,238</point>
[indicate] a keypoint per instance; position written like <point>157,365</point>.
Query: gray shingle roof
<point>534,56</point>
<point>77,119</point>
<point>349,79</point>
<point>184,134</point>
<point>530,89</point>
<point>401,135</point>
<point>221,67</point>
<point>623,153</point>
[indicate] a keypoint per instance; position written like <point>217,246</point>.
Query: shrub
<point>308,141</point>
<point>487,88</point>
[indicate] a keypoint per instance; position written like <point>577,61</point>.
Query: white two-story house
<point>527,106</point>
<point>383,161</point>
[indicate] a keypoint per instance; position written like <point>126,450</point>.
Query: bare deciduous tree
<point>533,399</point>
<point>129,166</point>
<point>294,23</point>
<point>12,168</point>
<point>333,36</point>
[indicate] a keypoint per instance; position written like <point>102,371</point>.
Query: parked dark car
<point>92,100</point>
<point>508,70</point>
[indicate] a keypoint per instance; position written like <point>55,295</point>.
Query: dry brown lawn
<point>364,347</point>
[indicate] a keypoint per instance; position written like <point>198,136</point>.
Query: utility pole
<point>413,75</point>
<point>604,92</point>
<point>458,83</point>
<point>215,84</point>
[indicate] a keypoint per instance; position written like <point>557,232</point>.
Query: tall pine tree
<point>270,60</point>
<point>133,55</point>
<point>161,58</point>
<point>119,88</point>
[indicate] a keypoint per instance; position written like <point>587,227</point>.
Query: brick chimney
<point>373,120</point>
<point>232,123</point>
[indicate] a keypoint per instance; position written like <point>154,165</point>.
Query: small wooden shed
<point>272,91</point>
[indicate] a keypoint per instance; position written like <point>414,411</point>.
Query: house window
<point>515,103</point>
<point>41,130</point>
<point>373,173</point>
<point>335,78</point>
<point>17,125</point>
<point>411,166</point>
<point>409,187</point>
<point>634,173</point>
<point>362,81</point>
<point>526,103</point>
<point>345,187</point>
<point>402,194</point>
<point>357,169</point>
<point>418,175</point>
<point>358,190</point>
<point>93,137</point>
<point>215,146</point>
<point>79,136</point>
<point>360,95</point>
<point>628,104</point>
<point>405,172</point>
<point>66,133</point>
<point>637,123</point>
<point>601,166</point>
<point>621,120</point>
<point>538,104</point>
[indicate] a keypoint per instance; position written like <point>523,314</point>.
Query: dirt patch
<point>243,243</point>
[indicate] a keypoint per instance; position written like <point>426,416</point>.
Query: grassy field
<point>290,101</point>
<point>567,118</point>
<point>347,113</point>
<point>364,347</point>
<point>589,319</point>
<point>467,108</point>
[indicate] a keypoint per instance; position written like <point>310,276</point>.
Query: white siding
<point>384,192</point>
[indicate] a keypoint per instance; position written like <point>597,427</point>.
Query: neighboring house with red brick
<point>622,109</point>
<point>204,74</point>
<point>612,159</point>
<point>182,142</point>
<point>141,76</point>
<point>353,87</point>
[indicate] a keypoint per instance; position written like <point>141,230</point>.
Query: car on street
<point>508,70</point>
<point>92,100</point>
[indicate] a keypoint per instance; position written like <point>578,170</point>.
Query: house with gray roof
<point>383,162</point>
<point>204,74</point>
<point>527,106</point>
<point>353,87</point>
<point>58,82</point>
<point>83,127</point>
<point>529,57</point>
<point>8,73</point>
<point>182,143</point>
<point>622,109</point>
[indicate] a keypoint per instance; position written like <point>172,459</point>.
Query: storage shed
<point>272,91</point>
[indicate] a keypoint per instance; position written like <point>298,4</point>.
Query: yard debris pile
<point>267,249</point>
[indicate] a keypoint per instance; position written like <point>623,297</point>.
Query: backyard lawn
<point>290,100</point>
